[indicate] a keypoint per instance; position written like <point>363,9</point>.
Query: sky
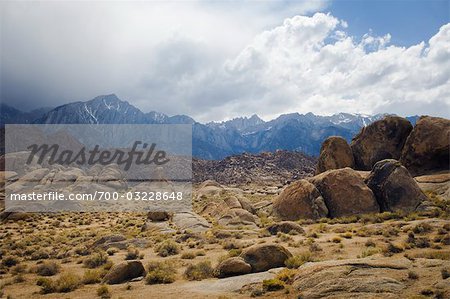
<point>215,60</point>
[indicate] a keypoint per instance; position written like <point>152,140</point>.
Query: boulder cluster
<point>391,149</point>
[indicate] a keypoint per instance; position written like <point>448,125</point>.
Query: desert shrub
<point>392,248</point>
<point>432,254</point>
<point>284,237</point>
<point>132,254</point>
<point>82,250</point>
<point>445,273</point>
<point>160,272</point>
<point>413,275</point>
<point>369,252</point>
<point>274,284</point>
<point>92,276</point>
<point>96,260</point>
<point>65,283</point>
<point>168,248</point>
<point>234,252</point>
<point>19,278</point>
<point>39,255</point>
<point>103,292</point>
<point>188,255</point>
<point>336,240</point>
<point>200,253</point>
<point>111,251</point>
<point>227,245</point>
<point>297,260</point>
<point>286,275</point>
<point>9,261</point>
<point>314,247</point>
<point>370,243</point>
<point>17,269</point>
<point>199,271</point>
<point>422,228</point>
<point>347,235</point>
<point>47,268</point>
<point>46,284</point>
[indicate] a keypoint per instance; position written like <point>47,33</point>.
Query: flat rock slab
<point>230,284</point>
<point>190,221</point>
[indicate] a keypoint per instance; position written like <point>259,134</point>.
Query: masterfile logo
<point>99,167</point>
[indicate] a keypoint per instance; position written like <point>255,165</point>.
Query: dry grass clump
<point>93,276</point>
<point>103,292</point>
<point>270,285</point>
<point>168,248</point>
<point>48,268</point>
<point>422,228</point>
<point>132,254</point>
<point>369,252</point>
<point>199,271</point>
<point>96,260</point>
<point>420,242</point>
<point>67,282</point>
<point>297,260</point>
<point>9,261</point>
<point>431,254</point>
<point>160,272</point>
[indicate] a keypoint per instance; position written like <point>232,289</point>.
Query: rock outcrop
<point>393,186</point>
<point>427,147</point>
<point>335,153</point>
<point>383,139</point>
<point>285,227</point>
<point>232,267</point>
<point>355,278</point>
<point>345,193</point>
<point>300,200</point>
<point>124,272</point>
<point>263,257</point>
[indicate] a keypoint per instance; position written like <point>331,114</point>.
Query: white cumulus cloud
<point>311,64</point>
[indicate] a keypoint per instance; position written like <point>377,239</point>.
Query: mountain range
<point>215,140</point>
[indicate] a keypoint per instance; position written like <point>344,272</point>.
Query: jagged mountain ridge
<point>214,140</point>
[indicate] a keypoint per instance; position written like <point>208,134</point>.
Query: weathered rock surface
<point>345,193</point>
<point>238,217</point>
<point>263,257</point>
<point>106,241</point>
<point>300,200</point>
<point>335,153</point>
<point>427,147</point>
<point>436,183</point>
<point>383,139</point>
<point>285,227</point>
<point>354,278</point>
<point>393,186</point>
<point>230,284</point>
<point>232,267</point>
<point>190,221</point>
<point>124,271</point>
<point>233,210</point>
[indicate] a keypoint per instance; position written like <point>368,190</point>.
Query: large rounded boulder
<point>345,193</point>
<point>263,257</point>
<point>232,267</point>
<point>335,153</point>
<point>383,139</point>
<point>124,272</point>
<point>300,200</point>
<point>427,147</point>
<point>393,186</point>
